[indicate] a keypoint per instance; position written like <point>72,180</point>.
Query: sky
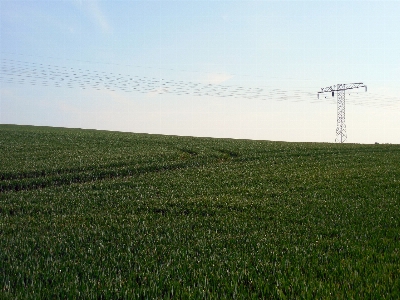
<point>224,69</point>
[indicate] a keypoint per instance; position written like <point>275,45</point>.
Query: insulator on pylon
<point>333,94</point>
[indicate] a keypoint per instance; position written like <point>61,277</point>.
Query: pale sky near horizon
<point>229,69</point>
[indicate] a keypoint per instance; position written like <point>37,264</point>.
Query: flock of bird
<point>23,72</point>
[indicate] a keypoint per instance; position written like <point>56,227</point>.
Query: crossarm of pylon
<point>341,87</point>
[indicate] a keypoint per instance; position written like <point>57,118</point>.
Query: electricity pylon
<point>340,88</point>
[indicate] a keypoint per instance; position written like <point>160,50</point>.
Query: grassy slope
<point>92,213</point>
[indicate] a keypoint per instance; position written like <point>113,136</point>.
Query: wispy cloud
<point>7,93</point>
<point>216,78</point>
<point>95,12</point>
<point>156,92</point>
<point>113,96</point>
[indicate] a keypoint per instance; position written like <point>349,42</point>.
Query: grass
<point>95,214</point>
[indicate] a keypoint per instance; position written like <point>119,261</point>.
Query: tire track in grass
<point>33,180</point>
<point>67,178</point>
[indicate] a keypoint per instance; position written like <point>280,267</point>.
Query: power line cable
<point>157,68</point>
<point>24,72</point>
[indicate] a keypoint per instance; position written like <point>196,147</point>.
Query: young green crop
<point>95,214</point>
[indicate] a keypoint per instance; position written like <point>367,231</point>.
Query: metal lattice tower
<point>340,90</point>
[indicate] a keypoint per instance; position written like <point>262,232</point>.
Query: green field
<point>96,214</point>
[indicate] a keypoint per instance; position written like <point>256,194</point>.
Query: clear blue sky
<point>280,52</point>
